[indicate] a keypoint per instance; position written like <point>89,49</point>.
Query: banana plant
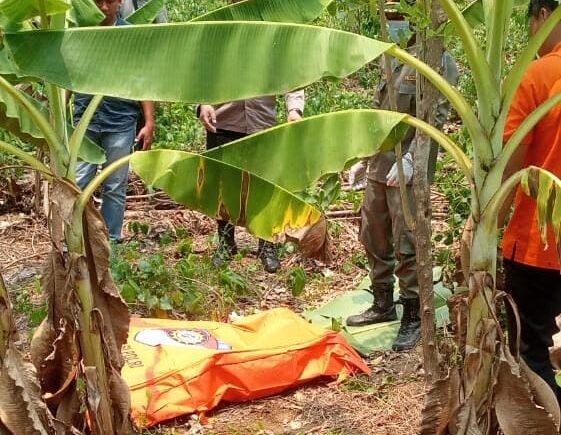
<point>76,351</point>
<point>490,387</point>
<point>23,410</point>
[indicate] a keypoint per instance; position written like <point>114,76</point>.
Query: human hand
<point>392,179</point>
<point>294,115</point>
<point>357,175</point>
<point>207,115</point>
<point>146,136</point>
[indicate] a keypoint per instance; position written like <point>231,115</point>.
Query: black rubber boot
<point>226,244</point>
<point>409,333</point>
<point>267,253</point>
<point>382,310</point>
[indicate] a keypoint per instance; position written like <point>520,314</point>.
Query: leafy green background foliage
<point>178,128</point>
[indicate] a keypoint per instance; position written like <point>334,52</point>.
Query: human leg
<point>537,294</point>
<point>404,244</point>
<point>376,237</point>
<point>226,244</point>
<point>225,230</point>
<point>410,330</point>
<point>116,146</point>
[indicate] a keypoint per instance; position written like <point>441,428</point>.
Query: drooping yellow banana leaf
<point>195,62</point>
<point>224,192</point>
<point>296,155</point>
<point>286,11</point>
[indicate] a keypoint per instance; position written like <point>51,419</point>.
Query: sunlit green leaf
<point>545,188</point>
<point>297,281</point>
<point>176,66</point>
<point>287,11</point>
<point>16,120</point>
<point>223,191</point>
<point>86,13</point>
<point>7,66</point>
<point>475,14</point>
<point>89,151</point>
<point>543,200</point>
<point>147,13</point>
<point>17,11</point>
<point>323,144</point>
<point>556,213</point>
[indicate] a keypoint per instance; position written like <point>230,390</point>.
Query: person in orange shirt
<point>532,269</point>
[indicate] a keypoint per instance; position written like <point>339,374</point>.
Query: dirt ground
<point>389,402</point>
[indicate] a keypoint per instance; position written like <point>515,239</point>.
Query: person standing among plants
<point>532,268</point>
<point>229,122</point>
<point>232,121</point>
<point>113,128</point>
<point>383,231</point>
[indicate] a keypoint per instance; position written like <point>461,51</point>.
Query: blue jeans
<point>115,145</point>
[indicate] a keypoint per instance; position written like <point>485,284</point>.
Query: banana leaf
<point>86,13</point>
<point>89,151</point>
<point>545,188</point>
<point>7,66</point>
<point>17,121</point>
<point>474,13</point>
<point>147,13</point>
<point>296,155</point>
<point>193,62</point>
<point>286,11</point>
<point>224,192</point>
<point>16,11</point>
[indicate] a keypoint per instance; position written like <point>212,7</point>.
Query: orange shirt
<point>522,242</point>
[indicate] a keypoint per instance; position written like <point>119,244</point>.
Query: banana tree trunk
<point>86,326</point>
<point>95,373</point>
<point>483,334</point>
<point>492,391</point>
<point>22,409</point>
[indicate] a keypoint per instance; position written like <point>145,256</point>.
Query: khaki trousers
<point>389,245</point>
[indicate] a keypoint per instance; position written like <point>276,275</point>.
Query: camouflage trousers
<point>389,244</point>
